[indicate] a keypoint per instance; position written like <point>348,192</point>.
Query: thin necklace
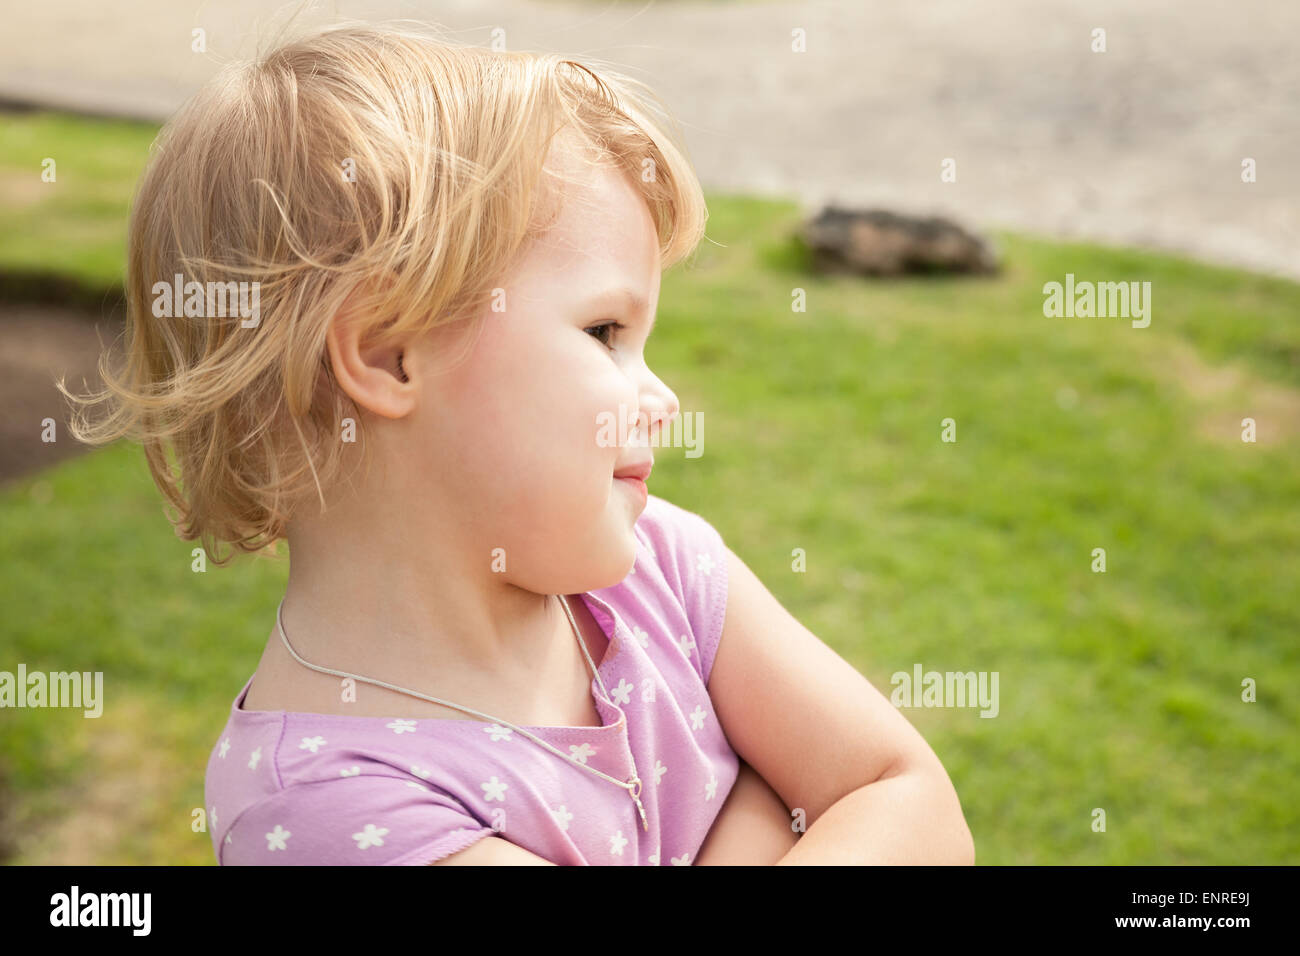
<point>633,786</point>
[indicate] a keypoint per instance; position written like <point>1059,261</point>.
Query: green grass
<point>1118,690</point>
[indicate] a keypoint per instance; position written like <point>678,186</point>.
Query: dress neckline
<point>602,613</point>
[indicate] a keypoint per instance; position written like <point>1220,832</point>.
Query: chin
<point>619,563</point>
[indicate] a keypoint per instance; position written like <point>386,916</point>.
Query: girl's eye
<point>611,326</point>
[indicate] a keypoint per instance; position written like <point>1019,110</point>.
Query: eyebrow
<point>624,297</point>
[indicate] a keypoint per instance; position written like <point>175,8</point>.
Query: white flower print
<point>658,772</point>
<point>495,789</point>
<point>275,839</point>
<point>352,772</point>
<point>400,726</point>
<point>225,745</point>
<point>421,772</point>
<point>562,817</point>
<point>711,788</point>
<point>683,860</point>
<point>654,860</point>
<point>704,563</point>
<point>686,644</point>
<point>212,812</point>
<point>370,836</point>
<point>252,760</point>
<point>697,718</point>
<point>497,732</point>
<point>582,751</point>
<point>616,843</point>
<point>622,694</point>
<point>311,743</point>
<point>641,636</point>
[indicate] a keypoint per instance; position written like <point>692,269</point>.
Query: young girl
<point>495,646</point>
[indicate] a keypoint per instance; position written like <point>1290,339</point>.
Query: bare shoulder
<point>492,851</point>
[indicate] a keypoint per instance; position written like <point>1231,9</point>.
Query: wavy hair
<point>381,167</point>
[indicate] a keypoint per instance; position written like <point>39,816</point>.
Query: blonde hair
<point>249,182</point>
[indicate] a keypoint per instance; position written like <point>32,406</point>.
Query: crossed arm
<point>753,828</point>
<point>822,739</point>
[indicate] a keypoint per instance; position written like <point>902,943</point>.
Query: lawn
<point>1119,691</point>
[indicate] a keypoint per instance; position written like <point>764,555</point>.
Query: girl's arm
<point>827,741</point>
<point>493,851</point>
<point>752,828</point>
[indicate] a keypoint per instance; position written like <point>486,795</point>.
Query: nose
<point>659,406</point>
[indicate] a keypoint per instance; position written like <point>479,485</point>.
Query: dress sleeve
<point>362,820</point>
<point>693,558</point>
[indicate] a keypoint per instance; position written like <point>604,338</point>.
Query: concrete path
<point>1141,144</point>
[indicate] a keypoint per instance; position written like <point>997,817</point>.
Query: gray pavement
<point>1141,144</point>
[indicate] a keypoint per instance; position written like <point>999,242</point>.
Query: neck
<point>400,610</point>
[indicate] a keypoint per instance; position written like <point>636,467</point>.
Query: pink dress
<point>316,789</point>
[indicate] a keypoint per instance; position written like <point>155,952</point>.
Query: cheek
<point>522,416</point>
<point>542,485</point>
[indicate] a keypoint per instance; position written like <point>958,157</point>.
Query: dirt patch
<point>39,343</point>
<point>125,780</point>
<point>22,191</point>
<point>1224,395</point>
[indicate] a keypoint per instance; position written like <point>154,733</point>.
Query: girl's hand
<point>752,828</point>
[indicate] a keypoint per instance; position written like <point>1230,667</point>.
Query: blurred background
<point>1162,149</point>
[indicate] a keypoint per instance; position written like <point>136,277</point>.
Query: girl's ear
<point>371,374</point>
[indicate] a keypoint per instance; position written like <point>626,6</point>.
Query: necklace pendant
<point>636,796</point>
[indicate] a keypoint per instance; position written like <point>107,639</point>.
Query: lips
<point>634,476</point>
<point>640,470</point>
